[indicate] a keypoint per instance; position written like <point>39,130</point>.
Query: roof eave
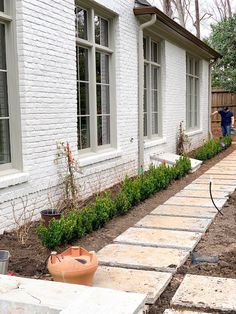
<point>177,28</point>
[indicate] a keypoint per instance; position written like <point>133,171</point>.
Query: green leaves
<point>212,148</point>
<point>134,190</point>
<point>223,40</point>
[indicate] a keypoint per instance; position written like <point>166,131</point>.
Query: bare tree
<point>167,9</point>
<point>221,9</point>
<point>197,21</point>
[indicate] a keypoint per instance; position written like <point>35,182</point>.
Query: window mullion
<point>93,98</point>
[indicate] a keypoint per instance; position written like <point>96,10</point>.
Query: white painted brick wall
<point>47,81</point>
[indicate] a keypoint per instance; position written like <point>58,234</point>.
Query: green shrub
<point>122,203</point>
<point>212,148</point>
<point>81,221</point>
<point>132,190</point>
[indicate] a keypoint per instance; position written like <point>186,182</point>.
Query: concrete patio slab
<point>170,311</point>
<point>215,176</point>
<point>185,211</point>
<point>205,187</point>
<point>174,223</point>
<point>193,201</point>
<point>140,257</point>
<point>23,295</point>
<point>151,283</point>
<point>171,159</point>
<point>160,238</point>
<point>216,182</point>
<point>202,194</point>
<point>212,293</point>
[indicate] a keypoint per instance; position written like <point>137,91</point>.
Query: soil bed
<point>30,260</point>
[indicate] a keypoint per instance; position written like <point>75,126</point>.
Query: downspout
<point>140,93</point>
<point>210,97</point>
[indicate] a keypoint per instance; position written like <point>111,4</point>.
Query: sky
<point>204,6</point>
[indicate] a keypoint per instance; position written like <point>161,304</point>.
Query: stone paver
<point>140,257</point>
<point>152,283</point>
<point>185,211</point>
<point>193,201</point>
<point>216,182</point>
<point>170,311</point>
<point>174,223</point>
<point>23,295</point>
<point>205,187</point>
<point>215,176</point>
<point>202,194</point>
<point>212,293</point>
<point>160,238</point>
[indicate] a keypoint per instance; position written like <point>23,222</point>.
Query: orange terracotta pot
<point>75,265</point>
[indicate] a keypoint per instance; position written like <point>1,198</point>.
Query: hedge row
<point>212,148</point>
<point>82,221</point>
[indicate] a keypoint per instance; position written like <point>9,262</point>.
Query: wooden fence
<point>221,98</point>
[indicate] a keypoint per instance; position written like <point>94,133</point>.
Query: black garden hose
<point>213,200</point>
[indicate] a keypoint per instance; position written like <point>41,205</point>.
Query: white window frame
<point>93,47</point>
<point>149,64</point>
<point>8,19</point>
<point>192,93</point>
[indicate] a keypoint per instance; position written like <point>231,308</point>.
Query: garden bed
<point>30,260</point>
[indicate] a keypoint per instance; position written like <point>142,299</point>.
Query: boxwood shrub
<point>212,148</point>
<point>133,190</point>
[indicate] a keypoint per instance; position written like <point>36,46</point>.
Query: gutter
<point>210,97</point>
<point>141,92</point>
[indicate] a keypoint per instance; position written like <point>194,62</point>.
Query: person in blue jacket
<point>227,120</point>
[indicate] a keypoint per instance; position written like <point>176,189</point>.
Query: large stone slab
<point>193,201</point>
<point>202,194</point>
<point>185,211</point>
<point>151,283</point>
<point>174,223</point>
<point>206,292</point>
<point>205,187</point>
<point>216,182</point>
<point>160,238</point>
<point>140,257</point>
<point>171,159</point>
<point>30,296</point>
<point>170,311</point>
<point>215,176</point>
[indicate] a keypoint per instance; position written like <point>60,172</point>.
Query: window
<point>94,55</point>
<point>152,83</point>
<point>192,92</point>
<point>5,145</point>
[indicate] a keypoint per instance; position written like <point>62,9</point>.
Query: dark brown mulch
<point>29,260</point>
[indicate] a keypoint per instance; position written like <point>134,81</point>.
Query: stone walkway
<point>139,265</point>
<point>144,258</point>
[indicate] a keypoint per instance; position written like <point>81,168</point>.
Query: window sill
<point>156,142</point>
<point>12,177</point>
<point>193,132</point>
<point>93,158</point>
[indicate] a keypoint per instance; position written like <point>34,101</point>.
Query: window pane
<point>103,125</point>
<point>196,68</point>
<point>145,101</point>
<point>145,75</point>
<point>145,124</point>
<point>145,48</point>
<point>155,123</point>
<point>101,31</point>
<point>81,23</point>
<point>102,68</point>
<point>103,99</point>
<point>82,54</point>
<point>83,98</point>
<point>2,5</point>
<point>154,101</point>
<point>154,52</point>
<point>154,77</point>
<point>5,156</point>
<point>3,95</point>
<point>83,132</point>
<point>2,48</point>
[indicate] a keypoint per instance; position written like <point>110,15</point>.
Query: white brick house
<point>86,86</point>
